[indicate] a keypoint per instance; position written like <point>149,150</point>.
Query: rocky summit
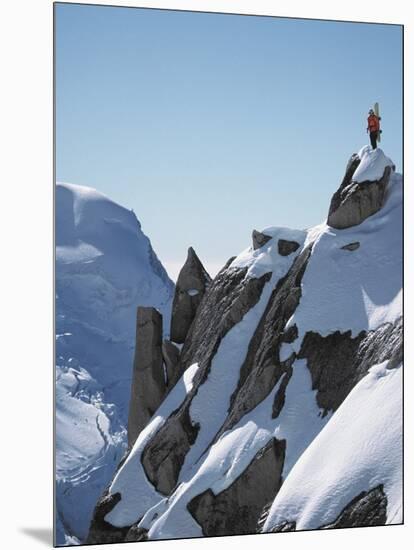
<point>295,345</point>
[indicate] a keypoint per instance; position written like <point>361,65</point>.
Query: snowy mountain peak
<point>88,216</point>
<point>105,269</point>
<point>104,258</point>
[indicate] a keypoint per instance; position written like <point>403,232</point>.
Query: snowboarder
<point>373,128</point>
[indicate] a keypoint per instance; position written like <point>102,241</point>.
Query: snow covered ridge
<point>293,349</point>
<point>105,268</point>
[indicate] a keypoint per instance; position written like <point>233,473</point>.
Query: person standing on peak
<point>373,127</point>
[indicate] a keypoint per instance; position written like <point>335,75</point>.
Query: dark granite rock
<point>287,247</point>
<point>237,509</point>
<point>263,517</point>
<point>290,334</point>
<point>259,239</point>
<point>230,296</point>
<point>337,362</point>
<point>191,285</point>
<point>148,381</point>
<point>280,396</point>
<point>353,202</point>
<point>284,527</point>
<point>366,509</point>
<point>384,343</point>
<point>369,508</point>
<point>351,246</point>
<point>101,531</point>
<point>262,368</point>
<point>331,361</point>
<point>164,455</point>
<point>171,356</point>
<point>136,534</point>
<point>351,167</point>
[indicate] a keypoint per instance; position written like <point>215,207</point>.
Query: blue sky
<point>211,125</point>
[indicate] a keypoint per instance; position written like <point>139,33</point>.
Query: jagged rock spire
<point>191,285</point>
<point>355,201</point>
<point>148,381</point>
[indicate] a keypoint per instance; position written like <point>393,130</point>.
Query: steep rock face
<point>369,508</point>
<point>229,298</point>
<point>191,285</point>
<point>237,509</point>
<point>337,362</point>
<point>100,531</point>
<point>262,368</point>
<point>354,201</point>
<point>148,382</point>
<point>350,169</point>
<point>164,455</point>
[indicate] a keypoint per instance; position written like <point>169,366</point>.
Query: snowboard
<point>376,111</point>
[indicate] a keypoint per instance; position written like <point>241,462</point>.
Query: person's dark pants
<point>373,137</point>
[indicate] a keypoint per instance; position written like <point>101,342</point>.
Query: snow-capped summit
<point>372,165</point>
<point>105,262</point>
<point>105,269</point>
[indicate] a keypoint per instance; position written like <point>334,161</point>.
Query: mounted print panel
<point>228,227</point>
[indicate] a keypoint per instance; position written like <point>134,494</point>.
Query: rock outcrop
<point>237,509</point>
<point>230,297</point>
<point>148,380</point>
<point>354,201</point>
<point>100,531</point>
<point>259,239</point>
<point>192,283</point>
<point>164,455</point>
<point>337,362</point>
<point>287,247</point>
<point>369,508</point>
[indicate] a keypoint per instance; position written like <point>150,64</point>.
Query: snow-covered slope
<point>105,268</point>
<point>359,449</point>
<point>295,344</point>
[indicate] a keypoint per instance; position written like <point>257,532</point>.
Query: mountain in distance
<point>105,268</point>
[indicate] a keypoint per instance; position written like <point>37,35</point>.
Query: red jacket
<point>373,123</point>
